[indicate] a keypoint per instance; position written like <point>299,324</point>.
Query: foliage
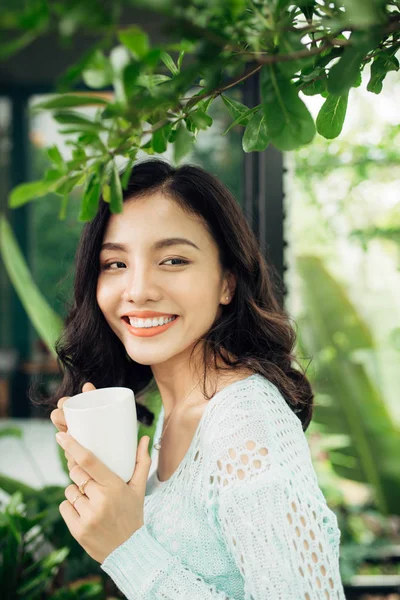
<point>368,541</point>
<point>161,94</point>
<point>350,191</point>
<point>349,406</point>
<point>47,323</point>
<point>29,565</point>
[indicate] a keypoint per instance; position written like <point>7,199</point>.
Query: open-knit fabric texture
<point>242,518</point>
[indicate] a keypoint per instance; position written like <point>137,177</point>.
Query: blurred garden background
<point>326,212</point>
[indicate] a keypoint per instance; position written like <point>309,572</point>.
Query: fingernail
<point>60,437</point>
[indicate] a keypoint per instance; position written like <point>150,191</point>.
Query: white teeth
<point>136,322</point>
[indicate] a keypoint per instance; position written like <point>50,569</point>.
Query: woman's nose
<point>140,286</point>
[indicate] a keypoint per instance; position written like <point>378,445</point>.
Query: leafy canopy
<point>160,95</point>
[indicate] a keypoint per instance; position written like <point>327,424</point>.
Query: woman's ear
<point>229,287</point>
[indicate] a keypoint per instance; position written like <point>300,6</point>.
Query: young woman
<point>174,290</point>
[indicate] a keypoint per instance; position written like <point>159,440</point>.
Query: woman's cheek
<point>100,299</point>
<point>107,295</point>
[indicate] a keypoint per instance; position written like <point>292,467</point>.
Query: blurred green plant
<point>161,94</point>
<point>369,540</point>
<point>46,322</point>
<point>339,182</point>
<point>348,405</point>
<point>29,563</point>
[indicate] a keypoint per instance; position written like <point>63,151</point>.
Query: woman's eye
<point>109,266</point>
<point>180,260</point>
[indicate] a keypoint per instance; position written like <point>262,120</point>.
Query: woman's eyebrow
<point>163,243</point>
<point>113,246</point>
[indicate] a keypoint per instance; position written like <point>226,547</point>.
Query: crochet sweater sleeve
<point>275,523</point>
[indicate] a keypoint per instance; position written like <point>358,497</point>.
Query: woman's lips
<point>149,331</point>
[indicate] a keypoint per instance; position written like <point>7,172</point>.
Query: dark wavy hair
<point>253,332</point>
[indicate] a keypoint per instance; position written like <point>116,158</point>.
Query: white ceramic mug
<point>105,422</point>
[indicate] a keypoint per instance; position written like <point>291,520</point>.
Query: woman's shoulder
<point>252,424</point>
<point>251,403</point>
<point>249,390</point>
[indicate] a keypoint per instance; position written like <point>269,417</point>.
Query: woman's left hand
<point>111,510</point>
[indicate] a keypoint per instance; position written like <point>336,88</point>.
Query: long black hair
<point>253,332</point>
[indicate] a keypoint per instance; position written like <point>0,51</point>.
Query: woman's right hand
<point>58,419</point>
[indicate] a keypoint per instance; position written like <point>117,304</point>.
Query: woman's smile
<point>148,331</point>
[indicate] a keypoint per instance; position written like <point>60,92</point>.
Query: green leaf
<point>318,86</point>
<point>120,58</point>
<point>44,569</point>
<point>183,143</point>
<point>127,172</point>
<point>204,105</point>
<point>78,153</point>
<point>358,80</point>
<point>200,119</point>
<point>172,136</point>
<point>7,49</point>
<point>169,63</point>
<point>12,486</point>
<point>106,193</point>
<point>70,101</point>
<point>98,72</point>
<point>180,59</point>
<point>255,137</point>
<point>327,56</point>
<point>129,77</point>
<point>36,15</point>
<point>68,183</point>
<point>383,63</point>
<point>331,116</point>
<point>63,208</point>
<point>280,7</point>
<point>290,44</point>
<point>56,157</point>
<point>52,175</point>
<point>243,119</point>
<point>288,120</point>
<point>345,73</point>
<point>313,81</point>
<point>116,199</point>
<point>152,59</point>
<point>91,198</point>
<point>150,81</point>
<point>54,558</point>
<point>307,7</point>
<point>72,118</point>
<point>25,192</point>
<point>46,322</point>
<point>236,109</point>
<point>160,138</point>
<point>363,13</point>
<point>135,39</point>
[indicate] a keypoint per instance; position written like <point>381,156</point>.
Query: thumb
<point>143,464</point>
<point>88,387</point>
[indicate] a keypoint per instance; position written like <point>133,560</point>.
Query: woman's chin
<point>149,358</point>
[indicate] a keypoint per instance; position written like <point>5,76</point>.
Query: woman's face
<point>141,271</point>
